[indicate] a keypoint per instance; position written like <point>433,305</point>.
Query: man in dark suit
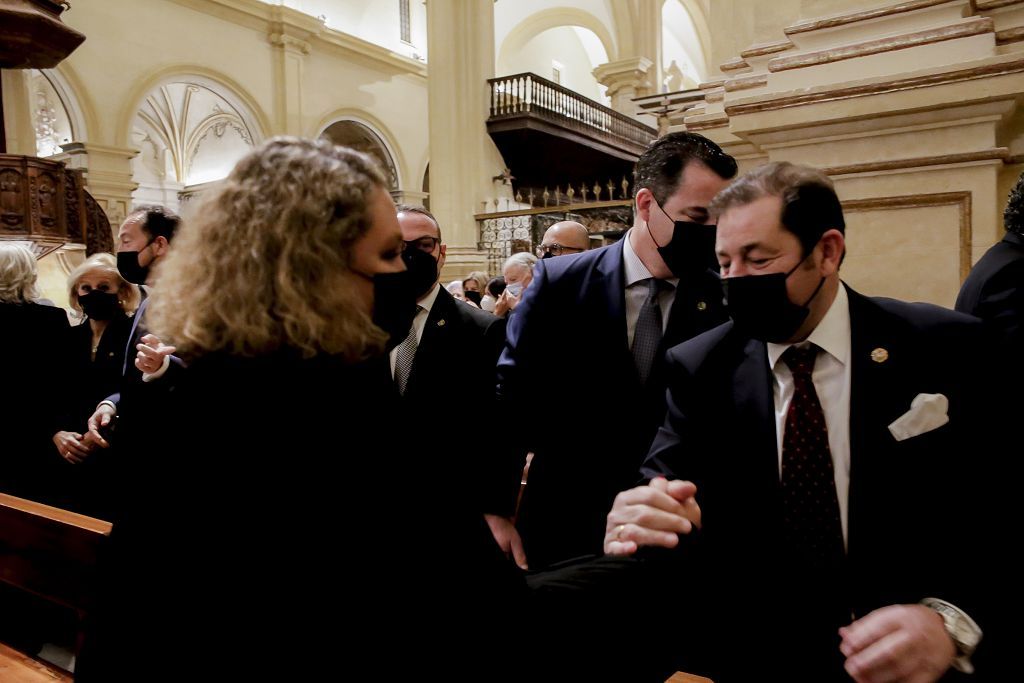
<point>586,344</point>
<point>448,360</point>
<point>142,242</point>
<point>818,440</point>
<point>994,291</point>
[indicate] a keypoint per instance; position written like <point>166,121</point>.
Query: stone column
<point>289,35</point>
<point>463,158</point>
<point>17,113</point>
<point>626,79</point>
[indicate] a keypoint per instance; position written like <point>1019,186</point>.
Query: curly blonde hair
<point>17,274</point>
<point>104,264</point>
<point>259,268</point>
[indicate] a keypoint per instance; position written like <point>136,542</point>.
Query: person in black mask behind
<point>105,301</point>
<point>614,311</point>
<point>280,516</point>
<point>448,355</point>
<point>816,441</point>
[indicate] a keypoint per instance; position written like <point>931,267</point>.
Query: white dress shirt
<point>637,289</point>
<point>419,322</point>
<point>831,382</point>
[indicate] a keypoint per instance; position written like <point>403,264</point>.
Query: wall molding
<point>866,15</point>
<point>971,27</point>
<point>896,85</point>
<point>993,154</point>
<point>961,200</point>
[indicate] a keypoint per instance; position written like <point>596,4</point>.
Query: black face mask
<point>474,297</point>
<point>760,307</point>
<point>99,305</point>
<point>691,249</point>
<point>421,268</point>
<point>128,266</point>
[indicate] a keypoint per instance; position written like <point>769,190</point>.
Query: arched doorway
<point>362,138</point>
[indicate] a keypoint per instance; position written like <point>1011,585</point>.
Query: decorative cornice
<point>1010,35</point>
<point>717,120</point>
<point>260,16</point>
<point>709,85</point>
<point>763,49</point>
<point>747,83</point>
<point>985,5</point>
<point>93,148</point>
<point>734,64</point>
<point>716,95</point>
<point>853,17</point>
<point>995,153</point>
<point>896,85</point>
<point>1014,159</point>
<point>961,200</point>
<point>971,27</point>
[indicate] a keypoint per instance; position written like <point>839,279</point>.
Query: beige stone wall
<point>293,74</point>
<point>911,108</point>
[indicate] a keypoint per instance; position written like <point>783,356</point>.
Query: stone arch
<point>699,22</point>
<point>248,108</point>
<point>74,98</point>
<point>541,21</point>
<point>190,125</point>
<point>368,134</point>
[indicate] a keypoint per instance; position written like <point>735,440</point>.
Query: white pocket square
<point>927,412</point>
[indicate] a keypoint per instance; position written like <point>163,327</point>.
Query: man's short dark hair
<point>660,167</point>
<point>810,206</point>
<point>1013,216</point>
<point>411,208</point>
<point>157,221</point>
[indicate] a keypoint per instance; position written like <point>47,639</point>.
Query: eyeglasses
<point>425,244</point>
<point>556,249</point>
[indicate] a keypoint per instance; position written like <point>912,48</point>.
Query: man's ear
<point>643,200</point>
<point>833,247</point>
<point>441,257</point>
<point>160,246</point>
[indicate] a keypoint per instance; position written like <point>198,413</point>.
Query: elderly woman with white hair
<point>518,273</point>
<point>104,301</point>
<point>31,349</point>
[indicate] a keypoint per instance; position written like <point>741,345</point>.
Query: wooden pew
<point>52,554</point>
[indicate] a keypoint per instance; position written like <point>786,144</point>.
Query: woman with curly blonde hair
<point>268,296</point>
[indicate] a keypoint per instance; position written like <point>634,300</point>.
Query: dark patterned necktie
<point>810,506</point>
<point>405,354</point>
<point>647,335</point>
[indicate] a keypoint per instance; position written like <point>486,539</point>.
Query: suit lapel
<point>606,295</point>
<point>877,396</point>
<point>434,340</point>
<point>755,406</point>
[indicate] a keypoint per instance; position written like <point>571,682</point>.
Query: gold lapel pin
<point>879,355</point>
<point>702,305</point>
<point>440,323</point>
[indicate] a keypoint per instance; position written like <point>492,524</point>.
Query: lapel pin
<point>702,305</point>
<point>440,323</point>
<point>879,355</point>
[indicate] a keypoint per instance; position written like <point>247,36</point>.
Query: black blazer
<point>452,384</point>
<point>904,541</point>
<point>994,291</point>
<point>569,379</point>
<point>33,349</point>
<point>286,508</point>
<point>92,380</point>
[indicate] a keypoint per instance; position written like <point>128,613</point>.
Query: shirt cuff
<point>150,376</point>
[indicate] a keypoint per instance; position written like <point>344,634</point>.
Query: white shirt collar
<point>831,335</point>
<point>635,270</point>
<point>428,301</point>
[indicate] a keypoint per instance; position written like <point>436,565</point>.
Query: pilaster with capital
<point>626,79</point>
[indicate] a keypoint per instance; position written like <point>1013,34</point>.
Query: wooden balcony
<point>548,133</point>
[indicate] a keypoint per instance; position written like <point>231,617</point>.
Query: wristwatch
<point>962,630</point>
